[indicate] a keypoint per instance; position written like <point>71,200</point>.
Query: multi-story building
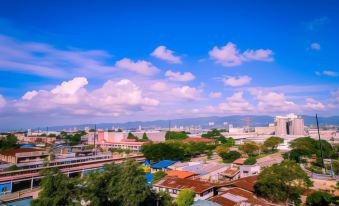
<point>23,155</point>
<point>289,125</point>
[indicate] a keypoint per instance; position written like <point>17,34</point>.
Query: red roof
<point>239,161</point>
<point>246,183</point>
<point>199,139</point>
<point>20,150</point>
<point>180,174</point>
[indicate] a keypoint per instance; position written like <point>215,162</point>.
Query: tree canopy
<point>250,148</point>
<point>9,142</point>
<point>250,161</point>
<point>185,197</point>
<point>214,133</point>
<point>172,135</point>
<point>230,156</point>
<point>273,142</point>
<point>131,136</point>
<point>282,182</point>
<point>158,175</point>
<point>319,198</point>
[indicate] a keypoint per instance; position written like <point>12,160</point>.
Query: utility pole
<point>321,146</point>
<point>95,136</point>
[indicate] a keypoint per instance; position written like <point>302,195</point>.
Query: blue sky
<point>132,60</point>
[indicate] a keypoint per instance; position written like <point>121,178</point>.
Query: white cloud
<point>159,86</point>
<point>258,55</point>
<point>45,60</point>
<point>312,104</point>
<point>235,82</point>
<point>235,104</point>
<point>71,97</point>
<point>330,73</point>
<point>327,73</point>
<point>163,53</point>
<point>29,95</point>
<point>315,46</point>
<point>215,94</point>
<point>229,55</point>
<point>70,87</point>
<point>271,102</point>
<point>2,101</point>
<point>180,77</point>
<point>140,67</point>
<point>188,93</point>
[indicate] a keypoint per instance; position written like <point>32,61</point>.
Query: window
<point>175,191</point>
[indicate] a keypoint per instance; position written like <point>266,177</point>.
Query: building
<point>249,170</point>
<point>162,165</point>
<point>39,139</point>
<point>23,155</point>
<point>180,174</point>
<point>231,174</point>
<point>200,139</point>
<point>289,125</point>
<point>207,171</point>
<point>174,185</point>
<point>265,130</point>
<point>128,145</point>
<point>237,196</point>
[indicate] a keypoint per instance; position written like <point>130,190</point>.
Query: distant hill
<point>236,120</point>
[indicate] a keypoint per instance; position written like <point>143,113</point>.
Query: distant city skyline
<point>90,62</point>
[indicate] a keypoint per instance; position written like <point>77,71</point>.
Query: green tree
<point>57,189</point>
<point>9,142</point>
<point>158,176</point>
<point>319,198</point>
<point>145,137</point>
<point>163,151</point>
<point>283,182</point>
<point>250,161</point>
<point>131,136</point>
<point>251,148</point>
<point>230,156</point>
<point>214,133</point>
<point>132,186</point>
<point>172,135</point>
<point>185,197</point>
<point>273,142</point>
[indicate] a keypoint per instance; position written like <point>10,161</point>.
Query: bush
<point>250,161</point>
<point>230,156</point>
<point>319,198</point>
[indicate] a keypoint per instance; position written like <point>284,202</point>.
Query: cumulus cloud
<point>229,55</point>
<point>327,73</point>
<point>180,77</point>
<point>274,102</point>
<point>237,81</point>
<point>71,97</point>
<point>235,104</point>
<point>159,86</point>
<point>315,46</point>
<point>140,67</point>
<point>312,104</point>
<point>215,94</point>
<point>188,93</point>
<point>165,54</point>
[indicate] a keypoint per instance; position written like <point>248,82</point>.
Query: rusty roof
<point>179,184</point>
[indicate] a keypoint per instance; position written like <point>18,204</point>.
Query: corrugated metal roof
<point>163,164</point>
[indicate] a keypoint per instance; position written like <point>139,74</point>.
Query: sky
<point>79,62</point>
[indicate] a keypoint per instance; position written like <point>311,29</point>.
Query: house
<point>237,196</point>
<point>23,155</point>
<point>231,174</point>
<point>207,171</point>
<point>205,203</point>
<point>162,165</point>
<point>174,185</point>
<point>249,170</point>
<point>246,183</point>
<point>129,145</point>
<point>239,161</point>
<point>180,174</point>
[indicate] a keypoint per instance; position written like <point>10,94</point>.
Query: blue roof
<point>149,178</point>
<point>146,163</point>
<point>163,164</point>
<point>205,203</point>
<point>27,146</point>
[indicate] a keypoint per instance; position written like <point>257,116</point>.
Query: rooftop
<point>180,174</point>
<point>163,164</point>
<point>246,183</point>
<point>179,184</point>
<point>230,172</point>
<point>204,168</point>
<point>239,161</point>
<point>236,196</point>
<point>13,152</point>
